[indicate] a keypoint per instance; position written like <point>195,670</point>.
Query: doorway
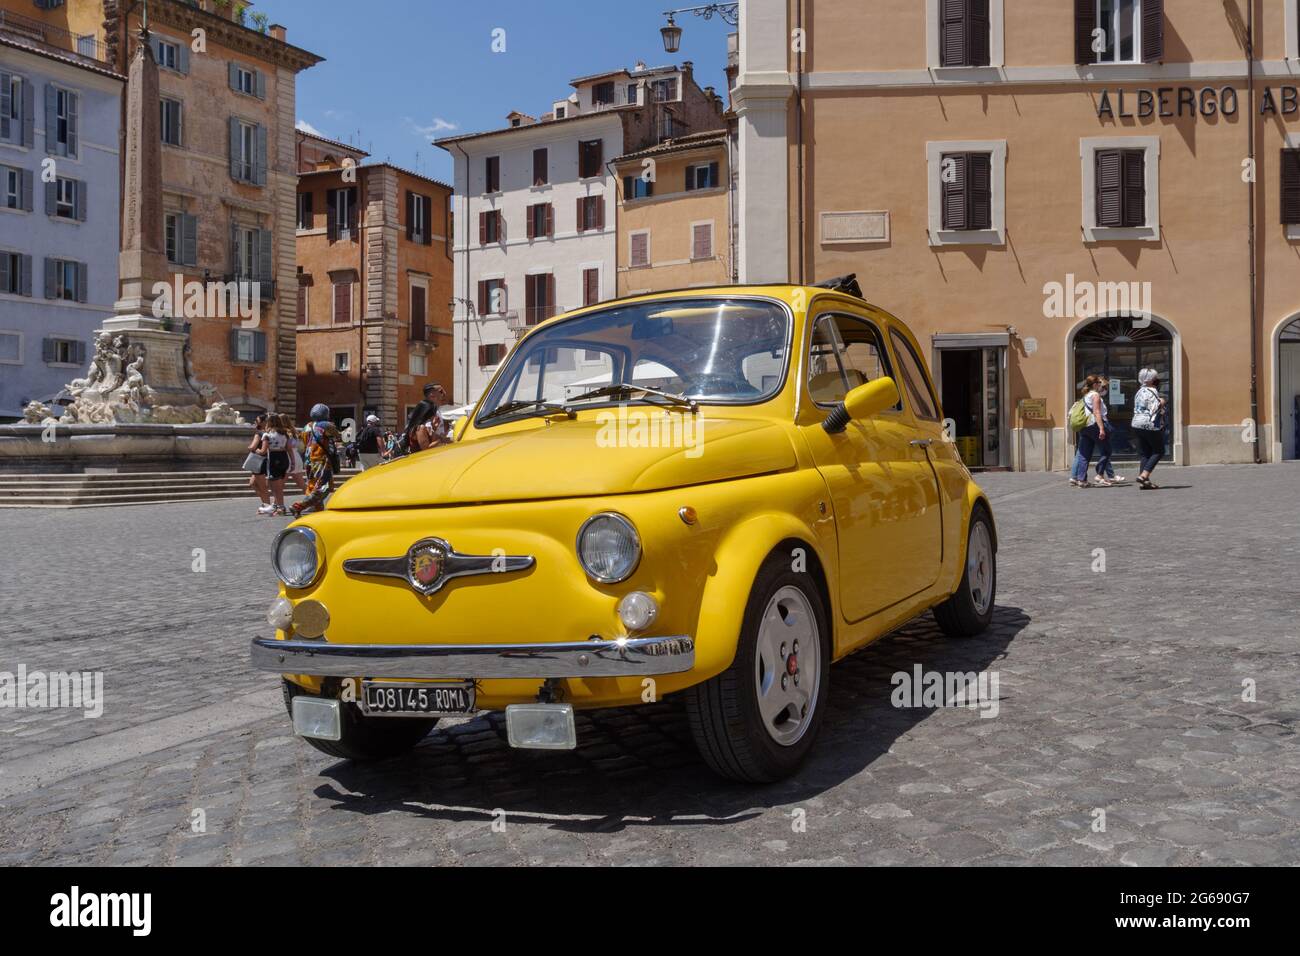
<point>1117,350</point>
<point>972,386</point>
<point>1288,390</point>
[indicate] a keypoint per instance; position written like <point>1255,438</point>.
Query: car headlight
<point>296,557</point>
<point>608,547</point>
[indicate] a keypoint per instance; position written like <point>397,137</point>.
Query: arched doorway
<point>1288,389</point>
<point>1117,348</point>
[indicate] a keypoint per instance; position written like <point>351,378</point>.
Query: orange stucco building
<point>1044,190</point>
<point>374,281</point>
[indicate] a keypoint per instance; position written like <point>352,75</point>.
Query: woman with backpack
<point>1089,410</point>
<point>322,440</point>
<point>1149,425</point>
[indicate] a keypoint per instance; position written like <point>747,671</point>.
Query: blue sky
<point>399,73</point>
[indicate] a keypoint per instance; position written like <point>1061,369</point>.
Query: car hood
<point>569,459</point>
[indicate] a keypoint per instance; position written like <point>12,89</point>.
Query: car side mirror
<point>862,402</point>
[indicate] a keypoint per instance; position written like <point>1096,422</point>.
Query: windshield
<point>717,351</point>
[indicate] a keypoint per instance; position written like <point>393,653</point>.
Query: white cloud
<point>438,125</point>
<point>308,128</point>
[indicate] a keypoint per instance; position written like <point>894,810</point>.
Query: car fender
<point>737,559</point>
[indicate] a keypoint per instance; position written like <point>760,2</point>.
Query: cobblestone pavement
<point>1119,691</point>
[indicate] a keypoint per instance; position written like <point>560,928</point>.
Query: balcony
<point>52,39</point>
<point>265,288</point>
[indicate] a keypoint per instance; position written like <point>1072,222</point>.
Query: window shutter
<point>332,215</point>
<point>234,345</point>
<point>410,216</point>
<point>189,240</point>
<point>25,275</point>
<point>79,194</point>
<point>259,84</point>
<point>29,114</point>
<point>979,193</point>
<point>427,203</point>
<point>27,190</point>
<point>629,188</point>
<point>73,101</point>
<point>259,346</point>
<point>51,278</point>
<point>233,72</point>
<point>183,61</point>
<point>550,219</point>
<point>265,260</point>
<point>51,120</point>
<point>952,32</point>
<point>582,208</point>
<point>482,356</point>
<point>1109,186</point>
<point>1153,31</point>
<point>714,175</point>
<point>6,106</point>
<point>6,281</point>
<point>550,292</point>
<point>49,350</point>
<point>79,352</point>
<point>234,249</point>
<point>1085,21</point>
<point>51,197</point>
<point>482,228</point>
<point>308,201</point>
<point>531,230</point>
<point>640,250</point>
<point>259,171</point>
<point>1290,166</point>
<point>82,283</point>
<point>234,148</point>
<point>354,213</point>
<point>482,298</point>
<point>600,212</point>
<point>954,209</point>
<point>157,44</point>
<point>342,302</point>
<point>977,33</point>
<point>1135,187</point>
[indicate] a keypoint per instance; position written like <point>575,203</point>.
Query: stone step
<point>158,489</point>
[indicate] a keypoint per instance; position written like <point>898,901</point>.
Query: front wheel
<point>365,738</point>
<point>970,610</point>
<point>757,720</point>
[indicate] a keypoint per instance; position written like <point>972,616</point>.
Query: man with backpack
<point>370,443</point>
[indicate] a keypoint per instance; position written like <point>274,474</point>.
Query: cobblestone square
<point>1126,691</point>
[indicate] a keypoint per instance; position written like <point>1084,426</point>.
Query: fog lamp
<point>280,614</point>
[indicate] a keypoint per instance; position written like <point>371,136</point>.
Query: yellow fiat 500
<point>710,494</point>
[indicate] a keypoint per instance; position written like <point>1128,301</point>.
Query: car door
<point>883,491</point>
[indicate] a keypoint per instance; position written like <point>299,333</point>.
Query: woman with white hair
<point>1149,425</point>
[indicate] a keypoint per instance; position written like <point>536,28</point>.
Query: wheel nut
<point>796,647</point>
<point>783,650</point>
<point>796,680</point>
<point>784,681</point>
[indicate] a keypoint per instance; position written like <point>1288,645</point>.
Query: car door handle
<point>922,442</point>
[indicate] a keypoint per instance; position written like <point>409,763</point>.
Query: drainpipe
<point>1254,253</point>
<point>465,217</point>
<point>798,135</point>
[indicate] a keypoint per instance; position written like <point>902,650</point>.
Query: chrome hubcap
<point>787,667</point>
<point>979,567</point>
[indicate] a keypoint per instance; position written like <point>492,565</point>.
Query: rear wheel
<point>970,610</point>
<point>365,738</point>
<point>757,720</point>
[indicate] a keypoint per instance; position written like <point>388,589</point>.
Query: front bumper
<point>627,657</point>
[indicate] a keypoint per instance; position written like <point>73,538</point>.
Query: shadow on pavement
<point>638,767</point>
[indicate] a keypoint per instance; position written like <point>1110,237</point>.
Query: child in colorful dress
<point>320,441</point>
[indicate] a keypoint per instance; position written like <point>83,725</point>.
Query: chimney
<point>279,32</point>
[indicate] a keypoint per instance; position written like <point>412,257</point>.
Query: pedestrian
<point>1149,417</point>
<point>295,454</point>
<point>322,440</point>
<point>1105,464</point>
<point>434,398</point>
<point>428,433</point>
<point>255,463</point>
<point>370,443</point>
<point>391,451</point>
<point>1091,434</point>
<point>275,448</point>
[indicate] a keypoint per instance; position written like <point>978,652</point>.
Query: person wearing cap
<point>1149,425</point>
<point>370,443</point>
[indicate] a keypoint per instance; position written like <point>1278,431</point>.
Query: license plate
<point>399,699</point>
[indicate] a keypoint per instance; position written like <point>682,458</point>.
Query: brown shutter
<point>600,212</point>
<point>332,211</point>
<point>531,231</point>
<point>952,33</point>
<point>482,228</point>
<point>1110,187</point>
<point>590,286</point>
<point>979,191</point>
<point>1085,21</point>
<point>1290,187</point>
<point>482,297</point>
<point>482,356</point>
<point>1135,187</point>
<point>582,207</point>
<point>550,293</point>
<point>954,193</point>
<point>353,213</point>
<point>1153,31</point>
<point>410,216</point>
<point>977,32</point>
<point>550,219</point>
<point>342,302</point>
<point>501,226</point>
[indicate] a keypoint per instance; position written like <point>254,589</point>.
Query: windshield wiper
<point>509,407</point>
<point>624,389</point>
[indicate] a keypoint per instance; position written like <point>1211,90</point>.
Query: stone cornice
<point>229,34</point>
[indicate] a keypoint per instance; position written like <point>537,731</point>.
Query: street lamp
<point>672,33</point>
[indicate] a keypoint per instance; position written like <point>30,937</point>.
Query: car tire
<point>726,713</point>
<point>365,738</point>
<point>970,611</point>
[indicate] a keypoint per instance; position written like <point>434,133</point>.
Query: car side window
<point>914,380</point>
<point>845,353</point>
